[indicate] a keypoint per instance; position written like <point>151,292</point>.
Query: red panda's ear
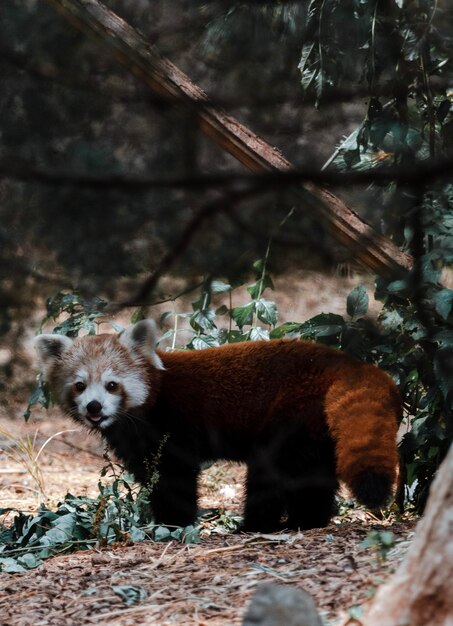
<point>50,348</point>
<point>142,338</point>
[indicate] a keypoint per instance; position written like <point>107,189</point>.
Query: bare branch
<point>417,173</point>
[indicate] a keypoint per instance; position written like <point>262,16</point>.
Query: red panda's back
<point>246,384</point>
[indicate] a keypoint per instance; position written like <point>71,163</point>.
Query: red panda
<point>302,416</point>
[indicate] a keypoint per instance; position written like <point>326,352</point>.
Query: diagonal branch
<point>131,49</point>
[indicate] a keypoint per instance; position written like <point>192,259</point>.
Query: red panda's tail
<point>363,411</point>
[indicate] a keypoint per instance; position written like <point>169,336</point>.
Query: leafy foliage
<point>398,55</point>
<point>208,321</point>
<point>381,541</point>
<point>119,513</point>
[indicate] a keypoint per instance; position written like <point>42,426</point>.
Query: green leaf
<point>256,289</point>
<point>309,68</point>
<point>266,311</point>
<point>443,302</point>
<point>257,333</point>
<point>62,529</point>
<point>288,328</point>
<point>236,336</point>
<point>29,560</point>
<point>322,325</point>
<point>217,286</point>
<point>161,533</point>
<point>165,315</point>
<point>391,321</point>
<point>10,565</point>
<point>357,302</point>
<point>243,315</point>
<point>258,266</point>
<point>203,319</point>
<point>39,394</point>
<point>397,286</point>
<point>387,538</point>
<point>138,315</point>
<point>137,534</point>
<point>222,310</point>
<point>191,534</point>
<point>203,341</point>
<point>167,335</point>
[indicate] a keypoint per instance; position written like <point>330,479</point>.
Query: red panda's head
<point>100,379</point>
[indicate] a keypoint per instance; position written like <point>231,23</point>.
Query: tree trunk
<point>420,593</point>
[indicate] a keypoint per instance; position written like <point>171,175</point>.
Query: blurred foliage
<point>68,107</point>
<point>381,541</point>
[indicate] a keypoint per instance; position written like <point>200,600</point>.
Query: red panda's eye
<point>80,386</point>
<point>111,386</point>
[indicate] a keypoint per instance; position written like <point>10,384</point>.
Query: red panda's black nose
<point>94,407</point>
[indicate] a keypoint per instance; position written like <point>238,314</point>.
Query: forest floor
<point>209,583</point>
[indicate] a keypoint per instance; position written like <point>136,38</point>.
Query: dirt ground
<point>198,585</point>
<point>204,584</point>
<point>207,583</point>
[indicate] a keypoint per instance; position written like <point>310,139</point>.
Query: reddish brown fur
<point>242,386</point>
<point>363,421</point>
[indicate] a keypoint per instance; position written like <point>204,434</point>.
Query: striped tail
<point>363,410</point>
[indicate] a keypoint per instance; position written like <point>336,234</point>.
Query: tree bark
<point>371,249</point>
<point>420,592</point>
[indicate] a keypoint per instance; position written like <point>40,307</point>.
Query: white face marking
<point>135,391</point>
<point>81,375</point>
<point>135,387</point>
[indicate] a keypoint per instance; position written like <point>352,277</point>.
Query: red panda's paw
<point>371,488</point>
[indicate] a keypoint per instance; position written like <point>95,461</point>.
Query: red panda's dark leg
<point>313,505</point>
<point>296,475</point>
<point>292,473</point>
<point>174,500</point>
<point>263,504</point>
<point>371,488</point>
<point>174,497</point>
<point>311,484</point>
